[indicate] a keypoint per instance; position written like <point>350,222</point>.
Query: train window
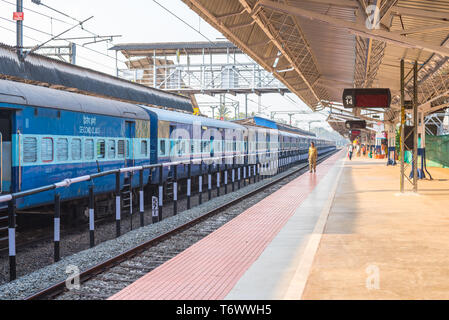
<point>111,149</point>
<point>76,149</point>
<point>29,150</point>
<point>144,147</point>
<point>101,149</point>
<point>47,149</point>
<point>62,149</point>
<point>162,147</point>
<point>121,149</point>
<point>89,149</point>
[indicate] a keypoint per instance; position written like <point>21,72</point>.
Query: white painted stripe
<point>117,208</point>
<point>200,184</point>
<point>233,175</point>
<point>57,228</point>
<point>218,179</point>
<point>154,207</point>
<point>131,202</point>
<point>244,172</point>
<point>161,189</point>
<point>189,186</point>
<point>209,181</point>
<point>12,241</point>
<point>299,280</point>
<point>141,202</point>
<point>79,179</point>
<point>5,198</point>
<point>226,177</point>
<point>91,219</point>
<point>175,191</point>
<point>238,174</point>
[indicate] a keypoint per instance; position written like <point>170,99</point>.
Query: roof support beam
<point>237,41</point>
<point>280,46</point>
<point>354,28</point>
<point>232,14</point>
<point>419,13</point>
<point>431,28</point>
<point>242,25</point>
<point>339,3</point>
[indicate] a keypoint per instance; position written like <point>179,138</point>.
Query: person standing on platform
<point>312,157</point>
<point>350,151</point>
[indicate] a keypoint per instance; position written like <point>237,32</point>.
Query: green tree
<point>223,112</point>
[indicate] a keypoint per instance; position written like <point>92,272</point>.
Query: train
<point>48,135</point>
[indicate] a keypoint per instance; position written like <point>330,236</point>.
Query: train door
<point>130,132</point>
<point>5,151</point>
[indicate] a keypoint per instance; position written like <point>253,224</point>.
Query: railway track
<point>111,276</point>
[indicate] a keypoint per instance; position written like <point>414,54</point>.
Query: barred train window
<point>30,150</point>
<point>101,149</point>
<point>76,149</point>
<point>144,148</point>
<point>89,149</point>
<point>62,149</point>
<point>121,149</point>
<point>47,149</point>
<point>111,149</point>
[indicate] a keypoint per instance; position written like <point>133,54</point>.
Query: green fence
<point>437,151</point>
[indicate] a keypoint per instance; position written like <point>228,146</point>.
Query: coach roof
<point>180,117</point>
<point>26,94</point>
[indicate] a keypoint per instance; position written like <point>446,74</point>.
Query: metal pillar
<point>402,147</point>
<point>415,127</point>
<point>19,32</point>
<point>246,106</point>
<point>57,227</point>
<point>73,55</point>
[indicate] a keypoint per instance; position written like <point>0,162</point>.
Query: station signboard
<point>366,98</point>
<point>355,124</point>
<point>18,16</point>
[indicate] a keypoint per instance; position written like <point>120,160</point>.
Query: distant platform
<point>342,233</point>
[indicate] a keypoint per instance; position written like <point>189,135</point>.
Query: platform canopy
<point>171,48</point>
<point>319,47</point>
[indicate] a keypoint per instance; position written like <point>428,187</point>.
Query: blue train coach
<point>49,135</point>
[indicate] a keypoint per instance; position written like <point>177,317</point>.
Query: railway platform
<point>343,233</point>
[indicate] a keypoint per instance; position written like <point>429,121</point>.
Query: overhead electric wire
<point>51,17</point>
<point>49,34</point>
<point>78,55</point>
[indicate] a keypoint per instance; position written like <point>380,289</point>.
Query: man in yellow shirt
<point>312,157</point>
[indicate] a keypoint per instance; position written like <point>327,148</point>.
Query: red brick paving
<point>210,268</point>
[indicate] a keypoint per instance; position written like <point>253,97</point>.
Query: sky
<point>136,21</point>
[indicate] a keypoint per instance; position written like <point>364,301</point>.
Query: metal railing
<point>235,169</point>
